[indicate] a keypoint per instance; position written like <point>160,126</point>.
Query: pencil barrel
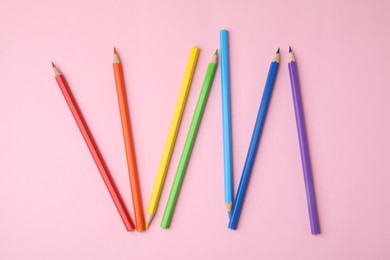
<point>129,147</point>
<point>254,143</point>
<point>304,148</point>
<point>226,116</point>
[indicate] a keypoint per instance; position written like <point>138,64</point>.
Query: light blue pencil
<point>226,121</point>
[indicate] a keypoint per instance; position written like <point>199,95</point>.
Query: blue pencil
<point>226,121</point>
<point>250,158</point>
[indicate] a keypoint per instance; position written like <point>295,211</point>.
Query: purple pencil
<point>304,147</point>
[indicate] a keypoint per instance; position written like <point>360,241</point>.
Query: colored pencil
<point>189,143</point>
<point>93,149</point>
<point>258,129</point>
<point>226,121</point>
<point>129,143</point>
<point>303,144</point>
<point>172,134</point>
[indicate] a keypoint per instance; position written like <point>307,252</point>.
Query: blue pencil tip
<point>289,49</point>
<point>277,52</point>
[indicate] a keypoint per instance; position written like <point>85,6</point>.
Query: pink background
<point>53,203</point>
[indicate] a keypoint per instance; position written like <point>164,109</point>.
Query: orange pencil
<point>129,144</point>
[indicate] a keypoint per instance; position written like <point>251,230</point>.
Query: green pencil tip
<point>216,52</point>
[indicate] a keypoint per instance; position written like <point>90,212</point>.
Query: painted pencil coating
<point>303,144</point>
<point>129,143</point>
<point>189,143</point>
<point>254,143</point>
<point>106,176</point>
<point>226,120</point>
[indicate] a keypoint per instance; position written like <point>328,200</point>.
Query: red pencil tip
<point>114,50</point>
<point>53,65</point>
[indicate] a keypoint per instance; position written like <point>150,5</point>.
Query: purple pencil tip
<point>277,52</point>
<point>289,49</point>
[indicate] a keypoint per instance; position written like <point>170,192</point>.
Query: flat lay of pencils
<point>234,202</point>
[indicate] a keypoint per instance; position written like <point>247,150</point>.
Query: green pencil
<point>189,144</point>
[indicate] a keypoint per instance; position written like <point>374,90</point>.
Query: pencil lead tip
<point>277,52</point>
<point>216,52</point>
<point>52,64</point>
<point>147,225</point>
<point>289,49</point>
<point>114,50</point>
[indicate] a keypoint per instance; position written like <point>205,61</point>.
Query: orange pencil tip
<point>114,50</point>
<point>53,65</point>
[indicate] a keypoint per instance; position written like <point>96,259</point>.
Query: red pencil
<point>93,149</point>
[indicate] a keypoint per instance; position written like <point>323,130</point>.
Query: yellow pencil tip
<point>147,225</point>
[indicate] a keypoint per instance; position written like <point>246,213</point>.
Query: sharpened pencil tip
<point>289,49</point>
<point>214,59</point>
<point>114,50</point>
<point>277,52</point>
<point>53,65</point>
<point>148,219</point>
<point>229,206</point>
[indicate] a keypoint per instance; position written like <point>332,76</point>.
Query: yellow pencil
<point>169,144</point>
